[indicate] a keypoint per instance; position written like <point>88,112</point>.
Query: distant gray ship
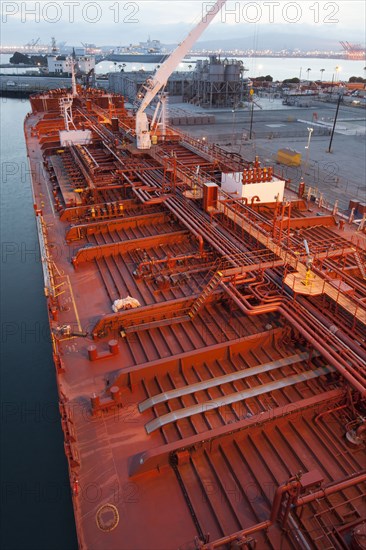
<point>137,57</point>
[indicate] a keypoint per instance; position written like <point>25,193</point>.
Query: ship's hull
<point>219,412</point>
<point>137,58</point>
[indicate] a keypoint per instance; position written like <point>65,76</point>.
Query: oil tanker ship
<point>208,332</point>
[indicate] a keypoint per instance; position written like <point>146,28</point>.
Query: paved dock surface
<point>340,175</point>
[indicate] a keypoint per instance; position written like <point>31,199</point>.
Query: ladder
<point>207,291</point>
<point>360,264</point>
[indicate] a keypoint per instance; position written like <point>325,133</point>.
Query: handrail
<point>225,379</point>
<point>208,406</point>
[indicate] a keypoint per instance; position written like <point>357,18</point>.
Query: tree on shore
<point>356,79</point>
<point>294,80</point>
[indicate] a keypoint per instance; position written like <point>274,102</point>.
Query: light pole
<point>308,71</point>
<point>334,124</point>
<point>251,114</point>
<point>321,74</point>
<point>337,69</point>
<point>233,129</point>
<point>307,147</point>
<point>335,77</point>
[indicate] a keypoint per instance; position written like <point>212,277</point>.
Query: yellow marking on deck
<point>74,304</point>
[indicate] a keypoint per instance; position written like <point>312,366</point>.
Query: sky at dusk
<point>121,23</point>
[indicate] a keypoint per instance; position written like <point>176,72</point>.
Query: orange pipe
<point>281,490</point>
<point>345,370</point>
<point>329,411</point>
<point>291,487</point>
<point>245,306</point>
<point>322,493</point>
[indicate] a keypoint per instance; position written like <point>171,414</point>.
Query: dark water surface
<point>36,509</point>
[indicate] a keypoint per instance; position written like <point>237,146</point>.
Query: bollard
<point>113,347</point>
<point>92,353</point>
<point>95,401</point>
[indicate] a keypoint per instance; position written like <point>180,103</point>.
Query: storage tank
<point>232,72</point>
<point>217,72</point>
<point>205,75</point>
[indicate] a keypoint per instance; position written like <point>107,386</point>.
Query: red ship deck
<point>228,409</point>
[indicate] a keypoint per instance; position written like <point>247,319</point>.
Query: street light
<point>233,130</point>
<point>308,71</point>
<point>334,123</point>
<point>251,92</point>
<point>307,147</point>
<point>321,74</point>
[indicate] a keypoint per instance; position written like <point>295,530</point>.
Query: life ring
<point>107,517</point>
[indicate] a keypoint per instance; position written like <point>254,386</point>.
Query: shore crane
<point>154,84</point>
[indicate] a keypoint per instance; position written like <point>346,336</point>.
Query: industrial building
<point>61,64</point>
<point>218,83</point>
<point>213,83</point>
<point>129,83</point>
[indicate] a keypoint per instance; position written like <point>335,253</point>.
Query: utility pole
<point>233,129</point>
<point>334,124</point>
<point>251,121</point>
<point>251,114</point>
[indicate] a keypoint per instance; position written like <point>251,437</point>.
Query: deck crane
<point>309,263</point>
<point>154,84</point>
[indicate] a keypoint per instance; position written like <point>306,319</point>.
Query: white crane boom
<point>160,78</point>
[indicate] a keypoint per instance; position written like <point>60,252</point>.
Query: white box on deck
<point>267,191</point>
<point>75,137</point>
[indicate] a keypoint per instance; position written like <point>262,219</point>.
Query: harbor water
<point>278,67</point>
<point>35,490</point>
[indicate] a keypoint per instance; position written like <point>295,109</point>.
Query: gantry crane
<point>154,84</point>
<point>32,43</point>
